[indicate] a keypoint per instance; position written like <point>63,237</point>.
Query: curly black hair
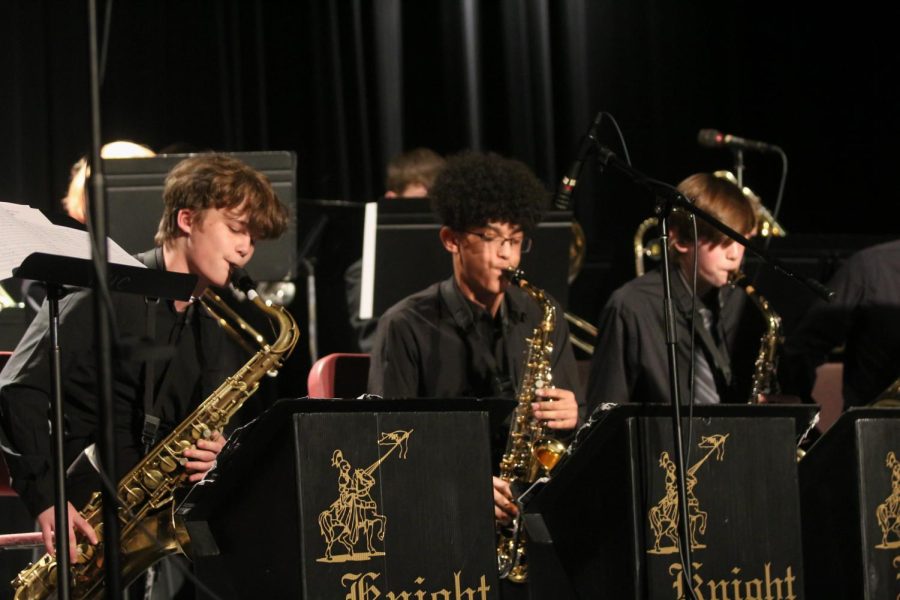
<point>476,188</point>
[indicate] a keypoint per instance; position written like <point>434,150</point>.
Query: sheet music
<point>25,230</point>
<point>367,284</point>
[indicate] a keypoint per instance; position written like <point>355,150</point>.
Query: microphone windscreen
<point>709,137</point>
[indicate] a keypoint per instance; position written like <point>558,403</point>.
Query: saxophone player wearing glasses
<point>466,336</point>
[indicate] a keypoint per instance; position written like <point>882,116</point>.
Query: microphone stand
<point>55,292</point>
<point>98,232</point>
<point>669,198</point>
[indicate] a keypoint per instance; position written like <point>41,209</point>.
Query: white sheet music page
<point>25,230</point>
<point>367,285</point>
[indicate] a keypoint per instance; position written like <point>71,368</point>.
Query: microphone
<point>716,139</point>
<point>564,193</point>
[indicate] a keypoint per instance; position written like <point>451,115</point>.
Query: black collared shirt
<point>195,370</point>
<point>865,315</point>
<point>433,345</point>
<point>630,362</point>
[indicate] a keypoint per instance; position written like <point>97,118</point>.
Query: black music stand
<point>55,272</point>
<point>593,523</point>
<point>848,493</point>
<point>259,523</point>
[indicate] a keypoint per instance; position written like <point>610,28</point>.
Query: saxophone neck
<point>548,309</point>
<point>288,331</point>
<point>764,380</point>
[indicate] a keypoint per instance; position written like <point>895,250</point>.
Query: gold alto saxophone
<point>150,529</point>
<point>530,451</point>
<point>765,369</point>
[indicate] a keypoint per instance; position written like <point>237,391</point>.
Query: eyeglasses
<point>522,244</point>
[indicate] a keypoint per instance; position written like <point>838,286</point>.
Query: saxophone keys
<point>134,495</point>
<point>200,430</point>
<point>169,463</point>
<point>85,553</point>
<point>179,447</point>
<point>152,478</point>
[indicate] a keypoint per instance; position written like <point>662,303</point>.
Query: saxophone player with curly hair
<point>465,336</point>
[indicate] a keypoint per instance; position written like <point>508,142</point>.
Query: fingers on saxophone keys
<point>548,393</point>
<point>502,517</point>
<point>540,410</point>
<point>504,506</point>
<point>547,411</point>
<point>198,455</point>
<point>85,528</point>
<point>505,515</point>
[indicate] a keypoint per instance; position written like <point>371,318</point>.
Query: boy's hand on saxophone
<point>504,507</point>
<point>559,408</point>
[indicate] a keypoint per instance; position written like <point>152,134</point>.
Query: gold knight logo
<point>354,515</point>
<point>664,515</point>
<point>888,512</point>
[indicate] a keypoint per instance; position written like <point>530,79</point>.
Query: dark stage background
<point>347,84</point>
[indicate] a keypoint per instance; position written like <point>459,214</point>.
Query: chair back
<point>339,375</point>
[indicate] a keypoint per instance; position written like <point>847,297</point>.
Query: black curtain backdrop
<point>347,84</point>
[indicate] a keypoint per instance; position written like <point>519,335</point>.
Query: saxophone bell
<point>548,451</point>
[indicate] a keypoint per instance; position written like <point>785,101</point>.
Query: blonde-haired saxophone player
<point>215,209</point>
<point>630,361</point>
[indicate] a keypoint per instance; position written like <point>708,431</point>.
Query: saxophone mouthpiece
<point>242,281</point>
<point>738,279</point>
<point>514,275</point>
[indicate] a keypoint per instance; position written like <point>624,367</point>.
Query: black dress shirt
<point>630,362</point>
<point>865,315</point>
<point>436,344</point>
<point>195,370</point>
